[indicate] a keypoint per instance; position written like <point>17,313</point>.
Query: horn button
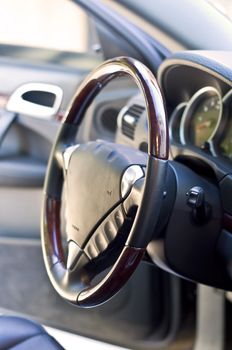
<point>99,177</point>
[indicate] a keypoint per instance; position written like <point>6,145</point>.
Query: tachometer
<point>201,117</point>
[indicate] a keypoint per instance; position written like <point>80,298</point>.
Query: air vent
<point>130,119</point>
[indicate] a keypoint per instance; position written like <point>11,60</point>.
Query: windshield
<point>224,6</point>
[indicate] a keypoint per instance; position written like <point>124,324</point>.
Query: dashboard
<point>202,123</point>
<point>198,98</point>
<point>197,89</point>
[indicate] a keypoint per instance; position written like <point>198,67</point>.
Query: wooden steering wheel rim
<point>146,219</point>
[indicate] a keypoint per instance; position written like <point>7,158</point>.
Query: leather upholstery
<point>17,333</point>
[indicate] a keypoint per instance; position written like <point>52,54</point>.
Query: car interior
<point>116,174</point>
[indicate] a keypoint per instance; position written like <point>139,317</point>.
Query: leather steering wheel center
<point>98,167</point>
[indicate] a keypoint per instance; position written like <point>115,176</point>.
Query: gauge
<point>201,117</point>
<point>225,142</point>
<point>174,122</point>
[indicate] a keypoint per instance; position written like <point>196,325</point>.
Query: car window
<point>224,6</point>
<point>52,24</point>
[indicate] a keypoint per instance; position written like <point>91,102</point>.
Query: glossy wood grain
<point>113,282</point>
<point>125,66</point>
<point>51,229</point>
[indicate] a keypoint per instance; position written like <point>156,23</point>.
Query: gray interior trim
<point>7,118</point>
<point>210,319</point>
<point>22,171</point>
<point>20,212</point>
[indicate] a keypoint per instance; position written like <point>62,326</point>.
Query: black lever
<point>196,201</point>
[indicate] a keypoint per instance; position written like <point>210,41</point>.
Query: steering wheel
<point>113,195</point>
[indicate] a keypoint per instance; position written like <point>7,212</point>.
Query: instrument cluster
<point>204,122</point>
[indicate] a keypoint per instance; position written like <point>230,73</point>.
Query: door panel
<point>26,143</point>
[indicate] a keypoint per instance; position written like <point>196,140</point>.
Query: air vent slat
<point>137,108</point>
<point>130,119</point>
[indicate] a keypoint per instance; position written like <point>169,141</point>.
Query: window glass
<point>52,24</point>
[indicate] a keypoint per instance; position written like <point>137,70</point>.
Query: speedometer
<point>201,117</point>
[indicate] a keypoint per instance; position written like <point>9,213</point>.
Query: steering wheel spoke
<point>107,232</point>
<point>73,255</point>
<point>133,200</point>
<point>66,155</point>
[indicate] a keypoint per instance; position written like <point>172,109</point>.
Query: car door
<point>37,87</point>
